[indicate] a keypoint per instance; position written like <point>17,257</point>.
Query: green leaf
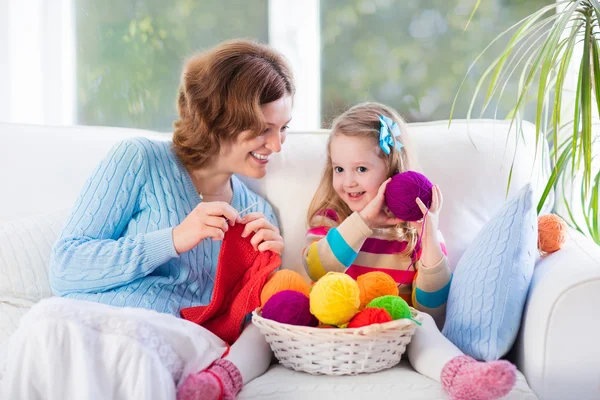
<point>548,49</point>
<point>535,16</point>
<point>544,56</point>
<point>512,167</point>
<point>511,114</point>
<point>586,106</point>
<point>526,51</point>
<point>566,203</point>
<point>596,5</point>
<point>596,59</point>
<point>594,209</point>
<point>577,119</point>
<point>586,213</point>
<point>560,79</point>
<point>521,33</point>
<point>524,83</point>
<point>472,14</point>
<point>558,168</point>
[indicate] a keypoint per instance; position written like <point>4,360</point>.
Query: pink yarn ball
<point>401,192</point>
<point>289,307</point>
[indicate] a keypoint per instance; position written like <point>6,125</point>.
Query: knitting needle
<point>247,208</point>
<point>244,210</point>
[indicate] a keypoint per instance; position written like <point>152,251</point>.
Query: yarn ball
<point>335,299</point>
<point>289,307</point>
<point>281,280</point>
<point>552,233</point>
<point>375,284</point>
<point>394,305</point>
<point>402,191</point>
<point>370,316</point>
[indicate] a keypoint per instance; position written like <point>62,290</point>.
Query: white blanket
<point>70,349</point>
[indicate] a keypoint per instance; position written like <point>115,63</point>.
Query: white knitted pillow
<point>25,246</point>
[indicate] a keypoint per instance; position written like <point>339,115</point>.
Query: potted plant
<point>541,53</point>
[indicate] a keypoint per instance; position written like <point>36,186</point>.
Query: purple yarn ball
<point>401,192</point>
<point>289,307</point>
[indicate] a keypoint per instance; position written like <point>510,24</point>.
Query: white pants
<point>429,350</point>
<point>71,349</point>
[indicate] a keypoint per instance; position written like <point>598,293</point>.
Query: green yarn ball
<point>394,305</point>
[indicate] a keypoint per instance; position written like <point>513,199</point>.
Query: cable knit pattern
<point>491,281</point>
<point>117,247</point>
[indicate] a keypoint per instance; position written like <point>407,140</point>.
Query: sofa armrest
<point>557,348</point>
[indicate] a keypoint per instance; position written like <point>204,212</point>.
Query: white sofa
<point>43,168</point>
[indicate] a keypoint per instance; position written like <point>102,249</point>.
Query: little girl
<point>350,231</point>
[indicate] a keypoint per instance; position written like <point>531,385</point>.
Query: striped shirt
<point>352,247</point>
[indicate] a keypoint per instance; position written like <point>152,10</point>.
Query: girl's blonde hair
<point>362,121</point>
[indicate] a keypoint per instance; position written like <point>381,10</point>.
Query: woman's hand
<point>266,235</point>
<point>207,220</point>
<point>374,215</point>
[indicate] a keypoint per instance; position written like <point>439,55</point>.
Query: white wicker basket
<point>348,351</point>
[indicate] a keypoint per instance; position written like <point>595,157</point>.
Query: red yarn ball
<point>370,316</point>
<point>289,307</point>
<point>402,191</point>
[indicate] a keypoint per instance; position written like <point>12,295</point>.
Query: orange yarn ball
<point>375,284</point>
<point>281,280</point>
<point>552,233</point>
<point>370,316</point>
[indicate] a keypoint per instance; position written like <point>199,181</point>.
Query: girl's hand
<point>433,216</point>
<point>266,236</point>
<point>374,215</point>
<point>207,220</point>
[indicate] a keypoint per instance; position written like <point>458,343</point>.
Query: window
<point>411,55</point>
<point>129,61</point>
<point>118,62</point>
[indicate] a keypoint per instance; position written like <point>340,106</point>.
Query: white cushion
<point>470,161</point>
<point>45,167</point>
<point>558,343</point>
<point>25,246</point>
<point>401,382</point>
<point>489,287</point>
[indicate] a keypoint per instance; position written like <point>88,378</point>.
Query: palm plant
<point>540,51</point>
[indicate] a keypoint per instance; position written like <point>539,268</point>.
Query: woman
<point>142,243</point>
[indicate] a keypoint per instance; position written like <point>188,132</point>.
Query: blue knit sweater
<point>117,247</point>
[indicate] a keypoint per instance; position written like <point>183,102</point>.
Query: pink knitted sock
<point>464,378</point>
<point>222,380</point>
